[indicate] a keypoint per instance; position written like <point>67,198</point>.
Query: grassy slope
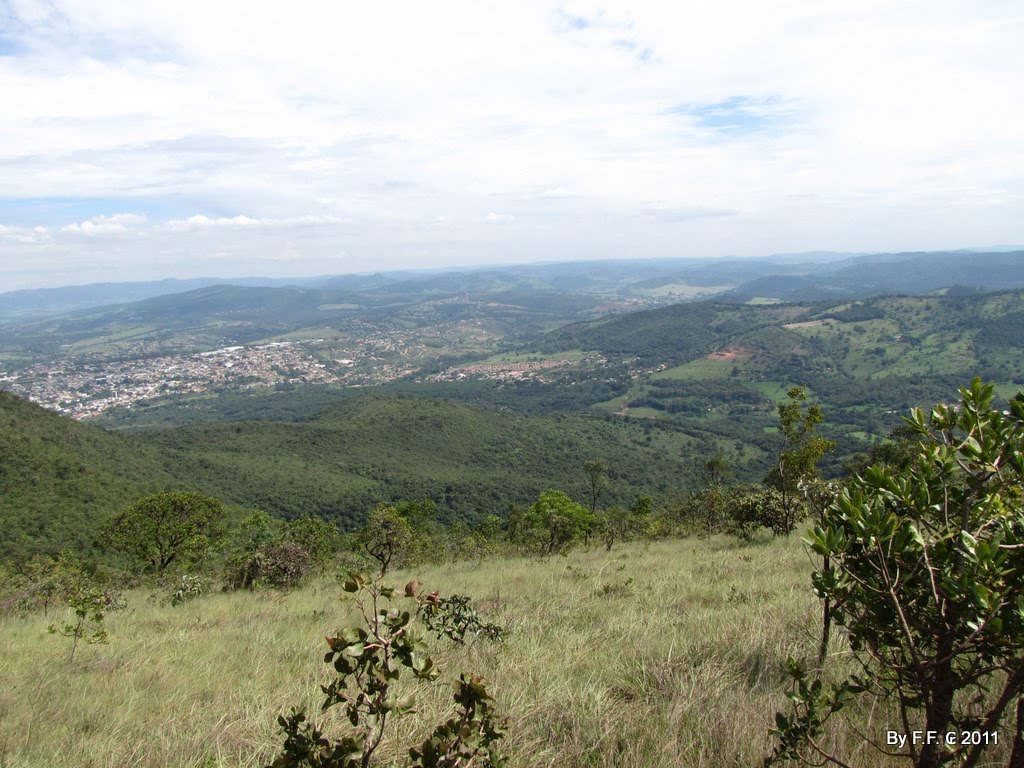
<point>682,666</point>
<point>667,655</point>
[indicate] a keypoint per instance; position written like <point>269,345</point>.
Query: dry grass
<point>668,654</point>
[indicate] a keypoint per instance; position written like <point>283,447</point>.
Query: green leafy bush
<point>90,604</point>
<point>557,521</point>
<point>749,510</point>
<point>924,569</point>
<point>188,587</point>
<point>282,566</point>
<point>260,557</point>
<point>369,661</point>
<point>453,617</point>
<point>45,582</point>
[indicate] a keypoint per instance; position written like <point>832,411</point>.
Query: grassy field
<point>661,654</point>
<point>683,290</point>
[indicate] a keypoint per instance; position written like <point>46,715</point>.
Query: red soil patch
<point>729,353</point>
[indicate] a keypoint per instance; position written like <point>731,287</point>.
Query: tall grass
<point>662,654</point>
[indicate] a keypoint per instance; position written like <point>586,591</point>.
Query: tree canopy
<point>562,519</point>
<point>167,529</point>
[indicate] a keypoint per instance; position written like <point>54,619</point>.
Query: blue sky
<point>158,139</point>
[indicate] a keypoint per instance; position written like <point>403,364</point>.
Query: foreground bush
<point>369,661</point>
<point>924,569</point>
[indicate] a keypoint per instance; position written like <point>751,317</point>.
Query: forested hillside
<point>861,359</point>
<point>59,478</point>
<point>470,460</point>
<point>62,478</point>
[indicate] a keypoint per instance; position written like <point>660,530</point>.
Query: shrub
<point>924,568</point>
<point>559,520</point>
<point>318,537</point>
<point>748,510</point>
<point>189,587</point>
<point>369,660</point>
<point>453,617</point>
<point>90,603</point>
<point>282,566</point>
<point>387,536</point>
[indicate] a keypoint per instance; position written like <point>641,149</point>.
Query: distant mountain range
<point>792,277</point>
<point>878,274</point>
<point>25,304</point>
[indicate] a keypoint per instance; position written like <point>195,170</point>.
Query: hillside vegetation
<point>660,655</point>
<point>708,372</point>
<point>721,367</point>
<point>62,478</point>
<point>471,461</point>
<point>59,478</point>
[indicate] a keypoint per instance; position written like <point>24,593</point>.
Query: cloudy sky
<point>149,138</point>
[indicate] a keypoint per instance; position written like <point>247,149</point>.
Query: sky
<point>150,139</point>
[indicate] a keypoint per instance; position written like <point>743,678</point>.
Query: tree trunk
<point>1017,757</point>
<point>826,618</point>
<point>939,709</point>
<point>826,628</point>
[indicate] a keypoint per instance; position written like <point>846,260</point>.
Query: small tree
<point>489,533</point>
<point>617,523</point>
<point>925,571</point>
<point>247,544</point>
<point>386,536</point>
<point>166,529</point>
<point>90,604</point>
<point>802,449</point>
<point>369,660</point>
<point>427,534</point>
<point>706,504</point>
<point>560,518</point>
<point>318,537</point>
<point>597,473</point>
<point>46,581</point>
<point>716,470</point>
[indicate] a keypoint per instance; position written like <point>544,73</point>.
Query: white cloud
<point>201,222</point>
<point>668,214</point>
<point>290,252</point>
<point>22,234</point>
<point>860,122</point>
<point>118,224</point>
<point>205,222</point>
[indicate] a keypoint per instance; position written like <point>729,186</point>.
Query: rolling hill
<point>59,479</point>
<point>471,461</point>
<point>878,274</point>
